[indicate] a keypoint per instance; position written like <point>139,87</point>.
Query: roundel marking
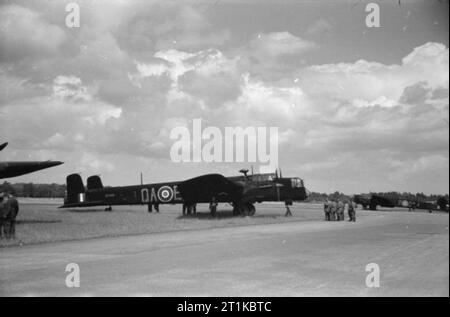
<point>165,194</point>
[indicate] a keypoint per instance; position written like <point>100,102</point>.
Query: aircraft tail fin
<point>75,189</point>
<point>94,182</point>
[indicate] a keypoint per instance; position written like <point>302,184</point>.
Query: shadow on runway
<point>33,221</point>
<point>83,210</point>
<point>228,214</point>
<point>397,209</point>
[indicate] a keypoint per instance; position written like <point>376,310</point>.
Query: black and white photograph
<point>209,150</point>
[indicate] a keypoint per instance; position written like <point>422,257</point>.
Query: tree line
<point>58,191</point>
<point>34,190</point>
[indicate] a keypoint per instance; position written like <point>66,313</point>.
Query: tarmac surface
<point>312,258</point>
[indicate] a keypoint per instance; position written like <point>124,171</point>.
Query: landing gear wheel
<point>252,210</point>
<point>246,209</point>
<point>236,211</point>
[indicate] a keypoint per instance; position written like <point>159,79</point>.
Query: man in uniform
<point>333,210</point>
<point>288,203</point>
<point>326,210</point>
<point>9,207</point>
<point>346,209</point>
<point>352,212</point>
<point>340,210</point>
<point>213,206</point>
<point>4,211</point>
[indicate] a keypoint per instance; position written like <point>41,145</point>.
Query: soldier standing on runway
<point>340,210</point>
<point>351,212</point>
<point>333,210</point>
<point>326,210</point>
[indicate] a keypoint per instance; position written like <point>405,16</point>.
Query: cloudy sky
<point>357,108</point>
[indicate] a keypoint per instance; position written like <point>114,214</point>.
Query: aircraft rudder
<point>74,187</point>
<point>94,182</point>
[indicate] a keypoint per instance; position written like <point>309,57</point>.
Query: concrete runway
<point>311,258</point>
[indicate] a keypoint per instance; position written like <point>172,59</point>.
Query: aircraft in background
<point>13,169</point>
<point>372,201</point>
<point>242,192</point>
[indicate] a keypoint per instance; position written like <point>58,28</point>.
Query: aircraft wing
<point>2,146</point>
<point>13,169</point>
<point>204,187</point>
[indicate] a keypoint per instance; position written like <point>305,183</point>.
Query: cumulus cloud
<point>146,70</point>
<point>371,80</point>
<point>23,33</point>
<point>270,55</point>
<point>271,104</point>
<point>69,87</point>
<point>94,163</point>
<point>59,120</point>
<point>167,25</point>
<point>214,78</point>
<point>137,70</point>
<point>280,43</point>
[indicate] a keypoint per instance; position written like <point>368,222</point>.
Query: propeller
<point>276,173</point>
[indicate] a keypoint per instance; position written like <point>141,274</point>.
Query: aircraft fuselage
<point>248,191</point>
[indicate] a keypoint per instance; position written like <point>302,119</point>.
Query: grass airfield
<point>41,221</point>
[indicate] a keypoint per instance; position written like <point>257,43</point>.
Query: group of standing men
<point>335,210</point>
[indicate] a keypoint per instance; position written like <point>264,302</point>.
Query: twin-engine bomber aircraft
<point>371,201</point>
<point>240,191</point>
<point>13,169</point>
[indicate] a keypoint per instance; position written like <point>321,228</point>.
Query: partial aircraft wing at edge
<point>13,169</point>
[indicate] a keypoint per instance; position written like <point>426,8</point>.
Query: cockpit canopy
<point>263,177</point>
<point>297,182</point>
